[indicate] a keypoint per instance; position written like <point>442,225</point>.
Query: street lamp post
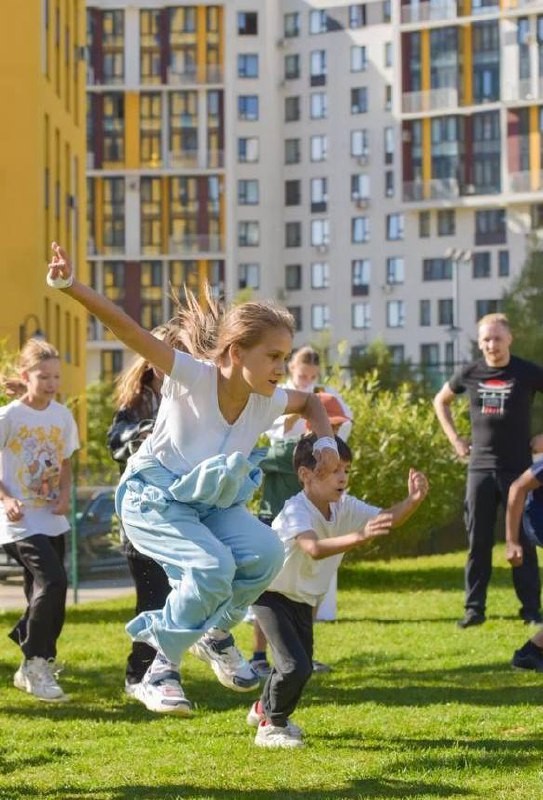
<point>457,257</point>
<point>23,329</point>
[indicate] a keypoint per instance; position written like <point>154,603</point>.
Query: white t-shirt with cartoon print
<point>33,445</point>
<point>190,426</point>
<point>302,578</point>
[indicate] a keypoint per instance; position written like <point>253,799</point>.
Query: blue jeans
<point>218,560</point>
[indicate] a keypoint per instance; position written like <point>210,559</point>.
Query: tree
<point>378,358</point>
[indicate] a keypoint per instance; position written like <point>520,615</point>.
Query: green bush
<point>100,468</point>
<point>393,431</point>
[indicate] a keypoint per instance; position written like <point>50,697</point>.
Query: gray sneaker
<point>229,665</point>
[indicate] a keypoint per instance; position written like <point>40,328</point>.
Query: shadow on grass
<point>367,577</point>
<point>368,789</point>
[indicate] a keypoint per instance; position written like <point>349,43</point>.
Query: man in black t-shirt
<point>501,388</point>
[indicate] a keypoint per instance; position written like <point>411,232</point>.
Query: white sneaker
<point>161,691</point>
<point>226,661</point>
<point>255,717</point>
<point>35,676</point>
<point>130,688</point>
<point>274,736</point>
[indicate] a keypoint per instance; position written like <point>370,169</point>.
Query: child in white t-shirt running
<point>182,498</point>
<point>318,525</point>
<point>37,438</point>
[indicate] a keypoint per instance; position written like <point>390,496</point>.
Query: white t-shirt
<point>33,445</point>
<point>302,578</point>
<point>190,427</point>
<point>277,431</point>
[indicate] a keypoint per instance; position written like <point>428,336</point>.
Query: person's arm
<point>516,499</point>
<point>310,407</point>
<point>156,352</point>
<point>318,549</point>
<point>62,503</point>
<point>12,506</point>
<point>442,406</point>
<point>417,489</point>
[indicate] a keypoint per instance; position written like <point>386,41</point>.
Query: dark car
<point>98,541</point>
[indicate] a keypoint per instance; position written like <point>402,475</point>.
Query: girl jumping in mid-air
<point>182,497</point>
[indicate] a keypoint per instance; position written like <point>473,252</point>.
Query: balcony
<point>432,100</point>
<point>191,77</point>
<point>430,11</point>
<point>444,189</point>
<point>195,243</point>
<point>523,182</point>
<point>520,90</point>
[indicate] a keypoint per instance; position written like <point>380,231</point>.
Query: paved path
<point>11,591</point>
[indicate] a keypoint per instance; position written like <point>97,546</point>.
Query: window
<point>484,307</point>
<point>388,97</point>
<point>395,270</point>
<point>397,353</point>
<point>318,22</point>
<point>317,67</point>
<point>151,312</point>
<point>150,215</point>
<point>389,145</point>
<point>446,222</point>
<point>424,224</point>
<point>389,183</point>
<point>151,129</point>
<point>359,58</point>
<point>503,263</point>
<point>291,25</point>
<point>481,265</point>
<point>248,192</point>
<point>425,317</point>
<point>445,312</point>
<point>395,227</point>
<point>113,215</point>
<point>320,275</point>
<point>388,54</point>
<point>429,355</point>
<point>395,314</point>
<point>360,276</point>
<point>296,312</point>
<point>318,105</point>
<point>248,234</point>
<point>437,269</point>
<point>248,150</point>
<point>357,15</point>
<point>247,65</point>
<point>320,317</point>
<point>293,234</point>
<point>360,186</point>
<point>359,100</point>
<point>293,152</point>
<point>247,23</point>
<point>293,193</point>
<point>111,364</point>
<point>320,232</point>
<point>292,67</point>
<point>319,148</point>
<point>248,276</point>
<point>292,109</point>
<point>490,226</point>
<point>360,143</point>
<point>360,230</point>
<point>387,11</point>
<point>361,315</point>
<point>248,107</point>
<point>293,277</point>
<point>319,195</point>
<point>113,127</point>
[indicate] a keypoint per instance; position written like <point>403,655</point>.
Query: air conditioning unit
<point>132,184</point>
<point>362,202</point>
<point>322,248</point>
<point>280,42</point>
<point>281,294</point>
<point>363,160</point>
<point>281,84</point>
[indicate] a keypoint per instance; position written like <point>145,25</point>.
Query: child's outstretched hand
<point>417,485</point>
<point>378,526</point>
<point>60,274</point>
<point>327,461</point>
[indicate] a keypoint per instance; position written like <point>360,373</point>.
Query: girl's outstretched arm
<point>156,352</point>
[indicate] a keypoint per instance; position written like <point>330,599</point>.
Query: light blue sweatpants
<point>218,560</point>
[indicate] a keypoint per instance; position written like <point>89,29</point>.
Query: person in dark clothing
<point>137,397</point>
<point>500,387</point>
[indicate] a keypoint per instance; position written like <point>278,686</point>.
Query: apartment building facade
<point>372,166</point>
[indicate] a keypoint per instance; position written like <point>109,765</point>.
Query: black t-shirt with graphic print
<point>500,401</point>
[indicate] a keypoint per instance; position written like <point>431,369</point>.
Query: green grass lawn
<point>414,707</point>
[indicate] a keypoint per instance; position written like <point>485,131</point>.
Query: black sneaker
<point>471,618</point>
<point>528,657</point>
